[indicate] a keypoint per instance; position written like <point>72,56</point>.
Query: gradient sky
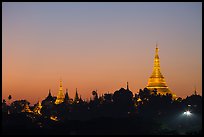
<point>99,46</point>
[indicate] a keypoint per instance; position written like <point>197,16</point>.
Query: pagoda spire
<point>60,95</point>
<point>80,99</point>
<point>66,95</point>
<point>156,69</point>
<point>127,86</point>
<point>49,94</point>
<point>156,80</point>
<point>76,99</point>
<point>60,84</point>
<point>195,92</point>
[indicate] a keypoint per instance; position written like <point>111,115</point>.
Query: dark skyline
<point>146,113</point>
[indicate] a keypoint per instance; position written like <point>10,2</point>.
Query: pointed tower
<point>76,99</point>
<point>157,80</point>
<point>49,94</point>
<point>49,97</point>
<point>60,95</point>
<point>66,99</point>
<point>195,92</point>
<point>66,95</point>
<point>80,99</point>
<point>127,86</point>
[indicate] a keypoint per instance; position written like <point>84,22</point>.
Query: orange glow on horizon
<point>98,46</point>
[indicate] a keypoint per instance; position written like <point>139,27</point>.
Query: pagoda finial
<point>66,91</point>
<point>157,49</point>
<point>127,86</point>
<point>60,83</point>
<point>76,99</point>
<point>49,94</point>
<point>66,95</point>
<point>195,90</point>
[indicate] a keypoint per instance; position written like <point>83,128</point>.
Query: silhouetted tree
<point>18,105</point>
<point>108,98</point>
<point>155,91</point>
<point>144,95</point>
<point>9,98</point>
<point>4,107</point>
<point>194,102</point>
<point>123,100</point>
<point>145,113</point>
<point>95,95</point>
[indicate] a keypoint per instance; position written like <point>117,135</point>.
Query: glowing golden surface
<point>157,80</point>
<point>37,109</point>
<point>54,118</point>
<point>60,95</point>
<point>26,108</point>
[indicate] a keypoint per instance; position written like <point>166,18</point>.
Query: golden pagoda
<point>26,108</point>
<point>60,96</point>
<point>156,80</point>
<point>37,109</point>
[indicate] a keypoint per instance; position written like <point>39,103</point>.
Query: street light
<point>187,113</point>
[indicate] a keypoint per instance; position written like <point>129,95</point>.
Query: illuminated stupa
<point>37,108</point>
<point>26,108</point>
<point>156,80</point>
<point>60,95</point>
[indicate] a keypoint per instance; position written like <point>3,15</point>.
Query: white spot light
<point>187,113</point>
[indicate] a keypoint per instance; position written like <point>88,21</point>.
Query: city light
<point>187,113</point>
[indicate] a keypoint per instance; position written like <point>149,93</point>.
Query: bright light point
<point>187,113</point>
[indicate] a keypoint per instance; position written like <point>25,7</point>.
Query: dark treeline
<point>118,113</point>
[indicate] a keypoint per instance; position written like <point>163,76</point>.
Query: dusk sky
<point>99,46</point>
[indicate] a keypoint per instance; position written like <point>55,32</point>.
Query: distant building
<point>156,80</point>
<point>49,100</point>
<point>60,95</point>
<point>26,108</point>
<point>37,108</point>
<point>76,98</point>
<point>66,99</point>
